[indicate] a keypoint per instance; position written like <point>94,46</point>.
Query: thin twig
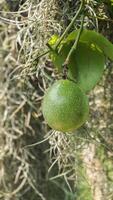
<point>37,143</point>
<point>43,54</point>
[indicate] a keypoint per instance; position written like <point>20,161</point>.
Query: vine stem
<point>70,25</point>
<point>75,43</point>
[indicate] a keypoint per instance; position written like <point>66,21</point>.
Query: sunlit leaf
<point>92,37</point>
<point>53,40</point>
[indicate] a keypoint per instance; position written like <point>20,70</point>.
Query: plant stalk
<point>75,43</point>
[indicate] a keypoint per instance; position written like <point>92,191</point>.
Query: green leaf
<point>86,66</point>
<point>92,37</point>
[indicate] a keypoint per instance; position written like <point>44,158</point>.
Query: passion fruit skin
<point>65,107</point>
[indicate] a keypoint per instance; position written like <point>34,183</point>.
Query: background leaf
<point>58,59</point>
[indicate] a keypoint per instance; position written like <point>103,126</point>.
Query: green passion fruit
<point>65,107</point>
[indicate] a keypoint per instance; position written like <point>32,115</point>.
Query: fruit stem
<point>75,43</point>
<point>70,25</point>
